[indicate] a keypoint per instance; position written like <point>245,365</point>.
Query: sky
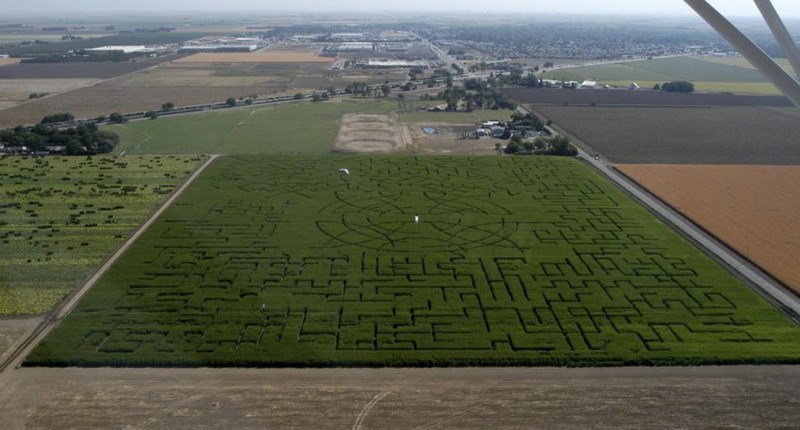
<point>787,8</point>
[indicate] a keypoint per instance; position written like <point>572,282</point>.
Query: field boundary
<point>763,271</point>
<point>760,281</point>
<point>97,82</point>
<point>51,320</point>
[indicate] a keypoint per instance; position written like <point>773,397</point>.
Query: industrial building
<point>128,49</point>
<point>241,44</point>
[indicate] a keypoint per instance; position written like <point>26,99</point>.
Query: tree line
<point>84,139</point>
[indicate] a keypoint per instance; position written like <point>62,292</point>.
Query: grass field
<point>60,216</point>
<point>708,74</point>
<point>752,208</point>
<point>285,261</point>
<point>288,128</point>
<point>742,62</point>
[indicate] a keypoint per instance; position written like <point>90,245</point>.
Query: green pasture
<point>286,128</point>
<point>707,73</point>
<point>61,216</point>
<point>285,260</point>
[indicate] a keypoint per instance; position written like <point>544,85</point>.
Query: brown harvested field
<point>27,86</point>
<point>105,98</point>
<point>557,96</point>
<point>745,397</point>
<point>752,208</point>
<point>189,84</point>
<point>9,61</point>
<point>256,57</point>
<point>681,135</point>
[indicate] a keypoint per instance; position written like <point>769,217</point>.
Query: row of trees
<point>362,89</point>
<point>676,87</point>
<point>557,145</point>
<point>80,140</point>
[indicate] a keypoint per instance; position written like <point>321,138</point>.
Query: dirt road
<point>15,356</point>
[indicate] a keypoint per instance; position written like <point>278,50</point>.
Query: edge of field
<point>67,304</point>
<point>792,313</point>
<point>763,271</point>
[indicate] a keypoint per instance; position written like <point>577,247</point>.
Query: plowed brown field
<point>9,61</point>
<point>256,57</point>
<point>752,208</point>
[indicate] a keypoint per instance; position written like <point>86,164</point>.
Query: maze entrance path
<point>286,261</point>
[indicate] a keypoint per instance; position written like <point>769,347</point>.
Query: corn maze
<point>418,261</point>
<point>60,216</point>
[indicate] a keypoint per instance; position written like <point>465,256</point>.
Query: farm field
<point>116,39</point>
<point>285,261</point>
<point>286,128</point>
<point>257,57</point>
<point>758,88</point>
<point>9,61</point>
<point>187,84</point>
<point>15,91</point>
<point>557,96</point>
<point>742,62</point>
<point>708,74</point>
<point>104,70</point>
<point>669,135</point>
<point>60,216</point>
<point>48,37</point>
<point>752,208</point>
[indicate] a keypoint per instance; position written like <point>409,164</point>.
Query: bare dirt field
<point>446,141</point>
<point>370,133</point>
<point>725,135</point>
<point>14,330</point>
<point>551,96</point>
<point>9,61</point>
<point>684,397</point>
<point>257,57</point>
<point>189,84</point>
<point>105,98</point>
<point>20,89</point>
<point>752,208</point>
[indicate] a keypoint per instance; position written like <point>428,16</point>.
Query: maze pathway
<point>408,260</point>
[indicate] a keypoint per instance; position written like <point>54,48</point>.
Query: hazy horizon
<point>734,8</point>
